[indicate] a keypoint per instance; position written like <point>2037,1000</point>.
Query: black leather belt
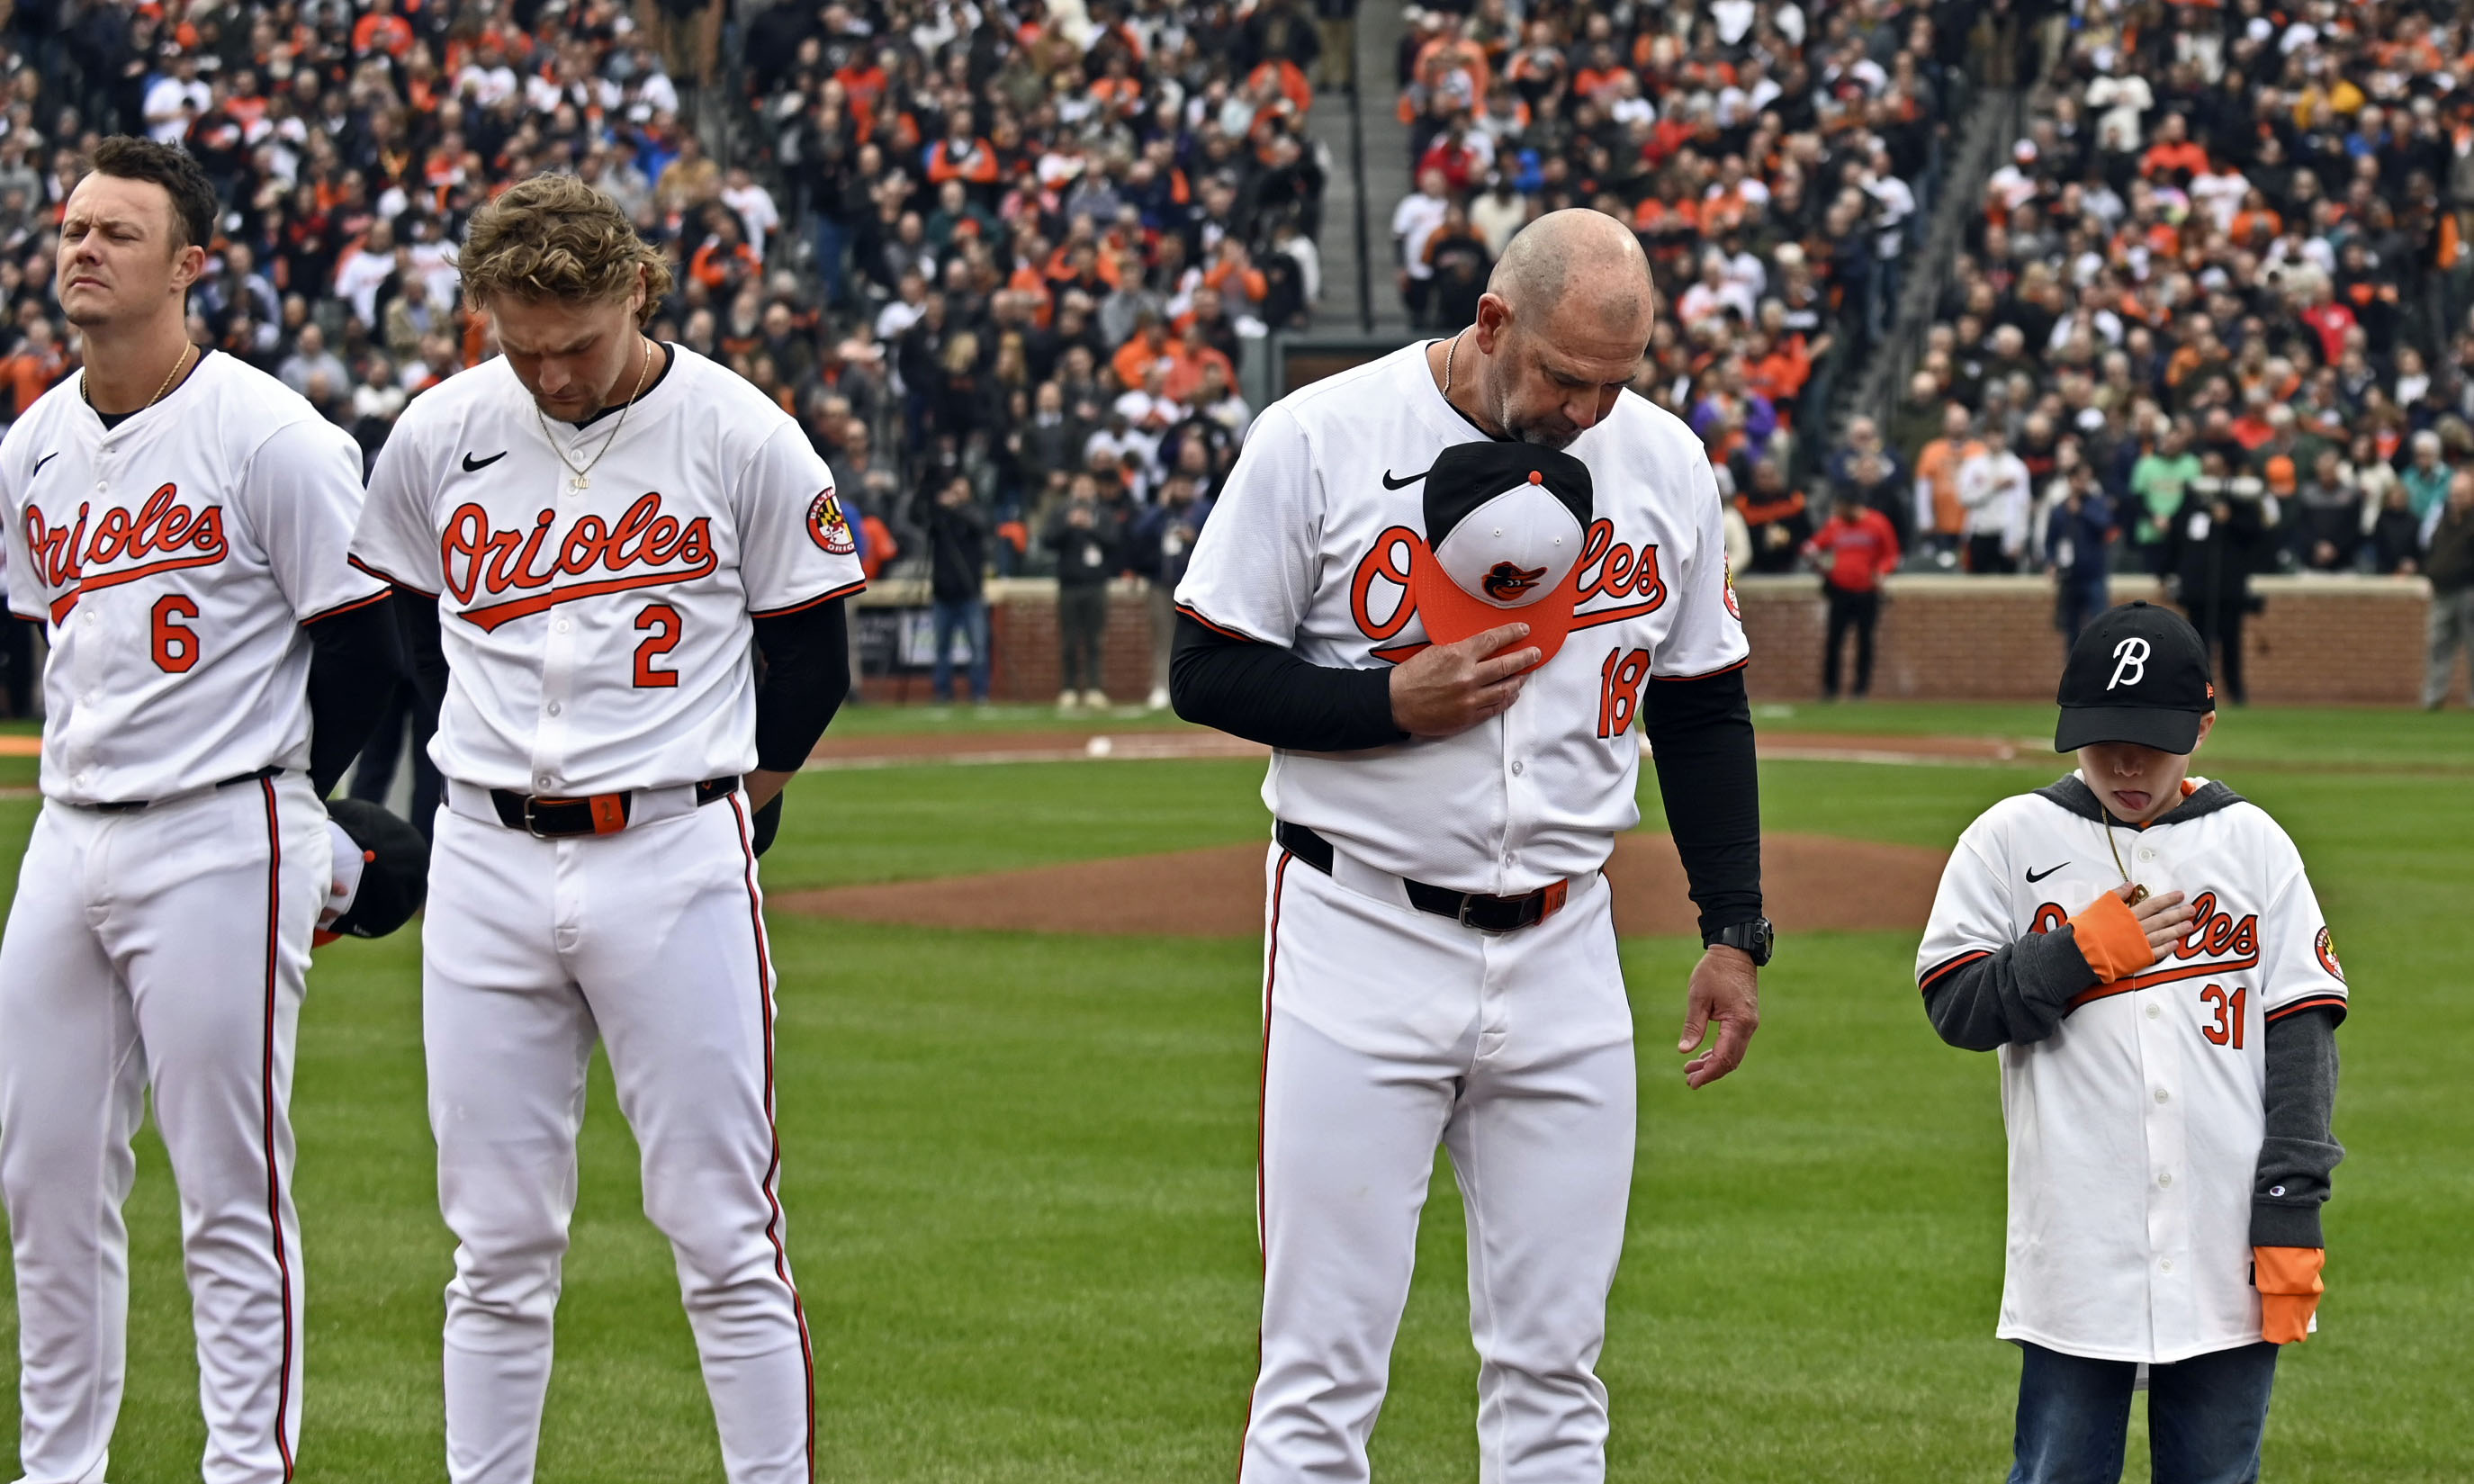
<point>595,813</point>
<point>1469,909</point>
<point>140,805</point>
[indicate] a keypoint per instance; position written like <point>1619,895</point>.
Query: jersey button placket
<point>2172,1314</point>
<point>558,652</point>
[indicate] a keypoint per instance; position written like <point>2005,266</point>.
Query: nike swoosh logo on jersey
<point>473,466</point>
<point>1391,483</point>
<point>2034,877</point>
<point>40,462</point>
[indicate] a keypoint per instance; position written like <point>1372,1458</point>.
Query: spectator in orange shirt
<point>1191,357</point>
<point>381,30</point>
<point>38,362</point>
<point>1147,344</point>
<point>1938,513</point>
<point>2172,150</point>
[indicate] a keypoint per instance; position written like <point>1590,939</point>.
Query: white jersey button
<point>2161,1096</point>
<point>553,708</point>
<point>563,625</point>
<point>2165,1180</point>
<point>2146,854</point>
<point>2167,1265</point>
<point>1516,768</point>
<point>2154,1011</point>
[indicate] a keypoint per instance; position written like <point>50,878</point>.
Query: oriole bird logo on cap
<point>1505,582</point>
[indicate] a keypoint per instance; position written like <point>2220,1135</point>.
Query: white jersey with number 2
<point>599,637</point>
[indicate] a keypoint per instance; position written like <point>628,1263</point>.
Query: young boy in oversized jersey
<point>2142,949</point>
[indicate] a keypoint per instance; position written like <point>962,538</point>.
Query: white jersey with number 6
<point>600,638</point>
<point>1308,549</point>
<point>174,557</point>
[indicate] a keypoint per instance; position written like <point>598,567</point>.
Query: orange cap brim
<point>1451,613</point>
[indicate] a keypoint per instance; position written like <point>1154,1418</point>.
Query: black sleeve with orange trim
<point>2016,993</point>
<point>806,674</point>
<point>355,662</point>
<point>1701,738</point>
<point>2300,1150</point>
<point>1269,694</point>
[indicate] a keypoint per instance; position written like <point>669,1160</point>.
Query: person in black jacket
<point>2209,549</point>
<point>1087,558</point>
<point>958,559</point>
<point>1159,546</point>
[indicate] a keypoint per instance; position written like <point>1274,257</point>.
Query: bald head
<point>1580,260</point>
<point>1563,326</point>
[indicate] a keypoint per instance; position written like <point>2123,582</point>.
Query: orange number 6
<point>176,644</point>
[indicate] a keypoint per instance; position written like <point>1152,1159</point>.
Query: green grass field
<point>1019,1168</point>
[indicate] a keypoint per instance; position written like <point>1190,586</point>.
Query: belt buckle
<point>1469,904</point>
<point>531,827</point>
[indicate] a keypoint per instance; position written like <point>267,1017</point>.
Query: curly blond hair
<point>555,237</point>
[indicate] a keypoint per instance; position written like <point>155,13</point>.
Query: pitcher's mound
<point>1808,880</point>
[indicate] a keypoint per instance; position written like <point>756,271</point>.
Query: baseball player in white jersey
<point>597,527</point>
<point>1451,631</point>
<point>2146,952</point>
<point>179,522</point>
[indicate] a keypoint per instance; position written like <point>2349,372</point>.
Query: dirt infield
<point>1810,881</point>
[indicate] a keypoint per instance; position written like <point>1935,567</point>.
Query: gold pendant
<point>580,482</point>
<point>2137,894</point>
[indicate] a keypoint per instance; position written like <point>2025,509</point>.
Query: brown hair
<point>555,237</point>
<point>182,178</point>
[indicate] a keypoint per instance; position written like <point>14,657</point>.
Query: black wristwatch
<point>1755,939</point>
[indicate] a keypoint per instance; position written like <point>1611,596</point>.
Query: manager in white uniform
<point>1448,588</point>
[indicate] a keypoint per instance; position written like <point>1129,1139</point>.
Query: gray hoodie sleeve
<point>2300,1151</point>
<point>2018,992</point>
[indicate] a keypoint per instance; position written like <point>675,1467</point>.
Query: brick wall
<point>1022,633</point>
<point>2322,640</point>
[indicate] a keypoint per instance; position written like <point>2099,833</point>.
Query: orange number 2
<point>664,620</point>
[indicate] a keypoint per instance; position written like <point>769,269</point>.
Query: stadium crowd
<point>1779,162</point>
<point>1016,248</point>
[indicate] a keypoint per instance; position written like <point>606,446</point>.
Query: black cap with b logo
<point>2138,673</point>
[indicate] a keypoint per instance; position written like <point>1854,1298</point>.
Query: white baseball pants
<point>650,941</point>
<point>164,949</point>
<point>1386,1030</point>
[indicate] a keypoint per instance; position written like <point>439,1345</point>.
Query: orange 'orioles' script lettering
<point>480,559</point>
<point>163,536</point>
<point>1608,569</point>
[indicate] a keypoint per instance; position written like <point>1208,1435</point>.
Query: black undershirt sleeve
<point>807,673</point>
<point>1701,738</point>
<point>1268,694</point>
<point>355,662</point>
<point>424,651</point>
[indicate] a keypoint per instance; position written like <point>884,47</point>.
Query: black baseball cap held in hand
<point>1505,524</point>
<point>2139,673</point>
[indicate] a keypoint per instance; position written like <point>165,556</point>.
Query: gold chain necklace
<point>2138,892</point>
<point>578,472</point>
<point>182,360</point>
<point>1450,350</point>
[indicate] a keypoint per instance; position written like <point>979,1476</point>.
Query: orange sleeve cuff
<point>2110,940</point>
<point>2287,1270</point>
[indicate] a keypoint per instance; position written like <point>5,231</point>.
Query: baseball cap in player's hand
<point>1505,522</point>
<point>2138,673</point>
